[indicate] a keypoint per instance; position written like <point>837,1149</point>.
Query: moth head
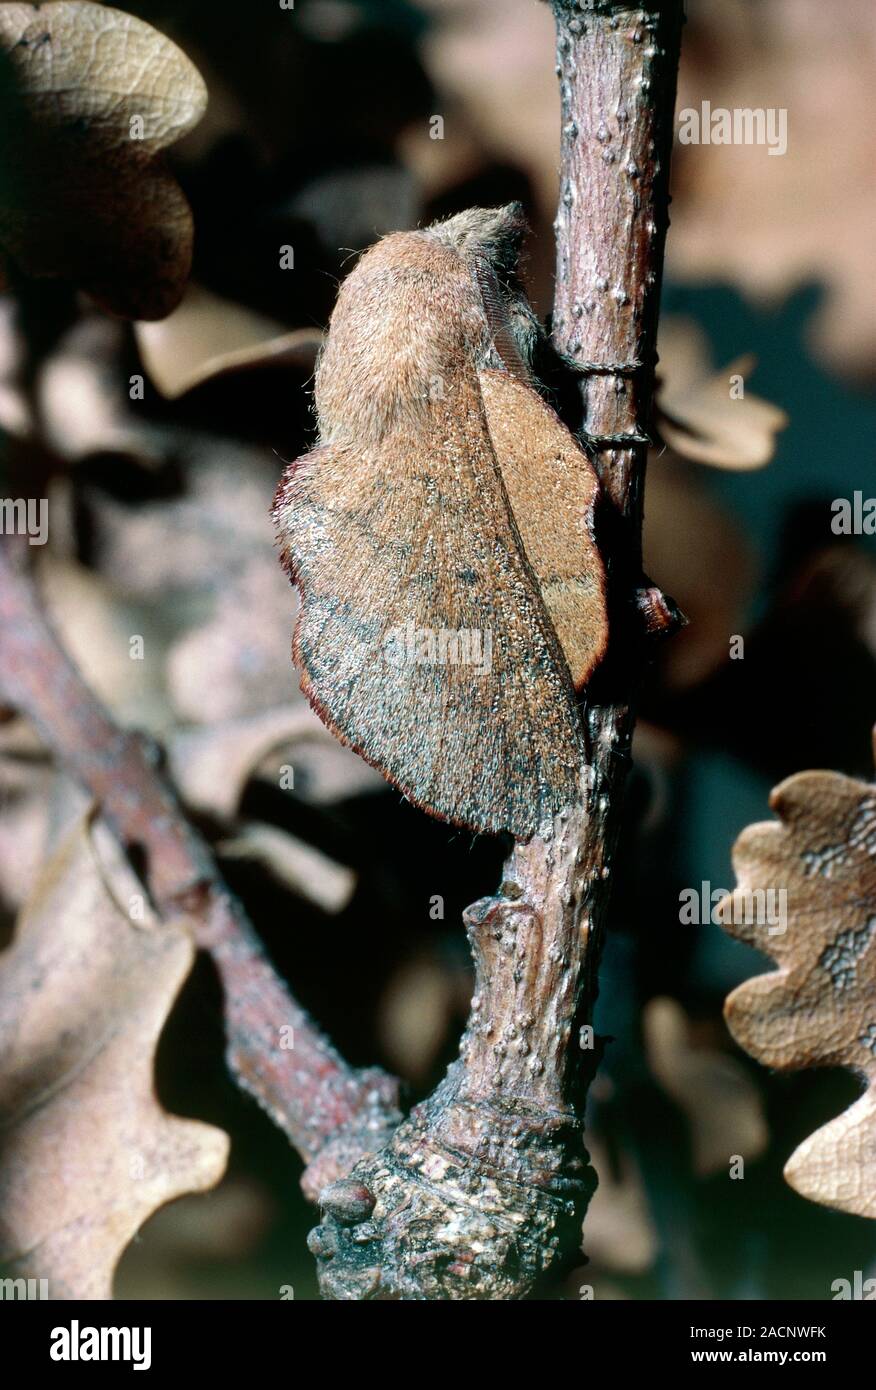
<point>494,234</point>
<point>489,241</point>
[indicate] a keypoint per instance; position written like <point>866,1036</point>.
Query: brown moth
<point>441,535</point>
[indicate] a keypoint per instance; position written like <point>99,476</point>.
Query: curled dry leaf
<point>711,576</point>
<point>85,403</point>
<point>99,626</point>
<point>211,765</point>
<point>819,1007</point>
<point>15,410</point>
<point>700,413</point>
<point>88,1152</point>
<point>93,97</point>
<point>207,336</point>
<point>324,770</point>
<point>422,1005</point>
<point>619,1232</point>
<point>721,1103</point>
<point>288,747</point>
<point>298,866</point>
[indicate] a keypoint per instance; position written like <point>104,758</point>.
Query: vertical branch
<point>485,1184</point>
<point>617,65</point>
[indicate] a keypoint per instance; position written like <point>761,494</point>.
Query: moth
<point>441,534</point>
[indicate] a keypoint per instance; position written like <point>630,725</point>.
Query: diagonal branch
<point>331,1113</point>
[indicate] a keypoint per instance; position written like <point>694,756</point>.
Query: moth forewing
<point>552,489</point>
<point>427,636</point>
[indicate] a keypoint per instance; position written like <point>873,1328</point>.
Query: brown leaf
<point>324,770</point>
<point>819,1007</point>
<point>211,764</point>
<point>93,97</point>
<point>619,1233</point>
<point>206,337</point>
<point>88,1151</point>
<point>296,865</point>
<point>705,561</point>
<point>26,787</point>
<point>492,64</point>
<point>697,415</point>
<point>15,409</point>
<point>84,402</point>
<point>98,626</point>
<point>723,1107</point>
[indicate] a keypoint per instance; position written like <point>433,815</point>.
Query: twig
<point>331,1113</point>
<point>485,1184</point>
<point>617,65</point>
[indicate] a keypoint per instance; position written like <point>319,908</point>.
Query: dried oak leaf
<point>212,763</point>
<point>90,98</point>
<point>88,1151</point>
<point>819,1007</point>
<point>230,666</point>
<point>16,415</point>
<point>84,403</point>
<point>620,1234</point>
<point>26,784</point>
<point>489,64</point>
<point>712,576</point>
<point>207,336</point>
<point>293,863</point>
<point>722,1104</point>
<point>699,413</point>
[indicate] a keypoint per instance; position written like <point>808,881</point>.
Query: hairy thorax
<point>408,321</point>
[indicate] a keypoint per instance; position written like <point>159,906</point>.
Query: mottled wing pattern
<point>400,549</point>
<point>552,487</point>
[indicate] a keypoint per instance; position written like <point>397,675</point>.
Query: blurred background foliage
<point>318,137</point>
